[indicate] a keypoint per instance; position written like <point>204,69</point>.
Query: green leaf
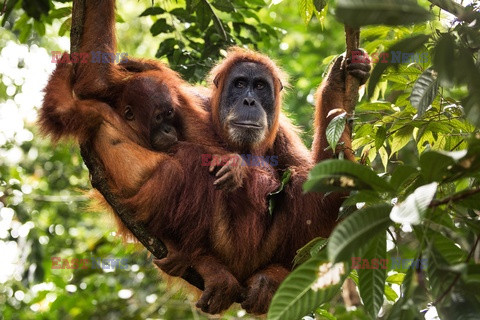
<point>26,32</point>
<point>414,207</point>
<point>319,4</point>
<point>409,45</point>
<point>204,15</point>
<point>444,55</point>
<point>435,164</point>
<point>295,297</point>
<point>60,13</point>
<point>39,28</point>
<point>65,27</point>
<point>324,314</point>
<point>306,10</point>
<point>272,196</point>
<point>347,169</point>
<point>166,47</point>
<point>366,196</point>
<point>223,5</point>
<point>35,8</point>
<point>358,13</point>
<point>396,278</point>
<point>380,137</point>
<point>424,91</point>
<point>438,278</point>
<point>446,247</point>
<point>160,26</point>
<point>354,233</point>
<point>309,250</point>
<point>335,129</point>
<point>372,281</point>
<point>152,11</point>
<point>384,157</point>
<point>390,294</point>
<point>401,174</point>
<point>401,138</point>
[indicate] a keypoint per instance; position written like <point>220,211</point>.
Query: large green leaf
<point>424,91</point>
<point>372,281</point>
<point>295,297</point>
<point>409,45</point>
<point>335,129</point>
<point>354,233</point>
<point>344,168</point>
<point>390,12</point>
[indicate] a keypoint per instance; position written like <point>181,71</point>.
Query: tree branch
<point>352,38</point>
<point>455,197</point>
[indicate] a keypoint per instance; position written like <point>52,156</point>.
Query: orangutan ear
<point>216,80</point>
<point>280,84</point>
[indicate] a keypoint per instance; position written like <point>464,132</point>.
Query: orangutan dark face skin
<point>247,105</point>
<point>146,100</point>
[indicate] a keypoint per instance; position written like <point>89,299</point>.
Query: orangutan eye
<point>129,113</point>
<point>259,85</point>
<point>240,84</point>
<point>169,113</point>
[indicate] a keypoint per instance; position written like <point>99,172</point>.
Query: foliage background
<point>43,208</point>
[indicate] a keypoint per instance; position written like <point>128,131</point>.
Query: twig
<point>453,198</point>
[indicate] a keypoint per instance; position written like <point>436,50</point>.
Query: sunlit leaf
<point>335,129</point>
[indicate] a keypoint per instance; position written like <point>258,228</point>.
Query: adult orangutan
<point>172,193</point>
<point>245,112</point>
<point>153,112</point>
